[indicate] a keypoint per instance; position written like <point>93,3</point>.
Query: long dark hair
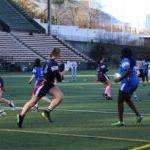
<point>126,52</point>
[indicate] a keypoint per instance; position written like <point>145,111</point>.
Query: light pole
<point>49,16</point>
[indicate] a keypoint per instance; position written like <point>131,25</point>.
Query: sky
<point>130,11</point>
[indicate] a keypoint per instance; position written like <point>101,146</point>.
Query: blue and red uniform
<point>101,72</point>
<point>50,73</point>
<point>1,84</point>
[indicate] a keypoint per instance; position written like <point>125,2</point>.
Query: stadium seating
<point>14,19</point>
<point>23,43</point>
<point>43,44</point>
<point>13,51</point>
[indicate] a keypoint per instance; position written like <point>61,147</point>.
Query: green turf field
<point>81,122</point>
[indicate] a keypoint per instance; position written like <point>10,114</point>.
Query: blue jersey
<point>130,83</point>
<point>51,71</point>
<point>38,73</point>
<point>128,64</point>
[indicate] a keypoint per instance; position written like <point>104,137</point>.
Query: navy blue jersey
<point>51,71</point>
<point>61,67</point>
<point>102,68</point>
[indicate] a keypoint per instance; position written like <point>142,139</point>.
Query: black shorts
<point>103,78</point>
<point>41,89</point>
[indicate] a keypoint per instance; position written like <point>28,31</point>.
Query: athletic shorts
<point>128,88</point>
<point>103,78</point>
<point>42,88</point>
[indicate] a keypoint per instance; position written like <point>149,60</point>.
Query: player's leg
<point>6,101</point>
<point>107,83</point>
<point>147,78</point>
<point>34,99</point>
<point>120,109</point>
<point>58,96</point>
<point>38,92</point>
<point>108,90</point>
<point>36,106</point>
<point>132,105</point>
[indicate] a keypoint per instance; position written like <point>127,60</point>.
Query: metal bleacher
<point>22,42</point>
<point>13,51</point>
<point>14,18</point>
<point>43,45</point>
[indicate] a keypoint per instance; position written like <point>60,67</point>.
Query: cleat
<point>46,115</point>
<point>135,98</point>
<point>35,108</point>
<point>139,119</point>
<point>19,121</point>
<point>118,124</point>
<point>108,98</point>
<point>12,105</point>
<point>2,113</point>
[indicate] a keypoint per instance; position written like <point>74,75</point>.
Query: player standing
<point>129,83</point>
<point>102,77</point>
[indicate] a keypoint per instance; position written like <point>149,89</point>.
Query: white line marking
<point>102,111</point>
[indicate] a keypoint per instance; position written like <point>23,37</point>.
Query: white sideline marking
<point>102,111</point>
<point>22,76</point>
<point>75,135</point>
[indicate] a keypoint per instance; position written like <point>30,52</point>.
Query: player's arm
<point>125,75</point>
<point>58,75</point>
<point>31,79</point>
<point>127,68</point>
<point>33,76</point>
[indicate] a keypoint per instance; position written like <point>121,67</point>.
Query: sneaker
<point>2,113</point>
<point>46,114</point>
<point>139,119</point>
<point>118,124</point>
<point>12,105</point>
<point>108,98</point>
<point>135,98</point>
<point>19,121</point>
<point>35,108</point>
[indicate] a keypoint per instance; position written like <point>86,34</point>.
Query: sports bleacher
<point>13,51</point>
<point>18,45</point>
<point>14,19</point>
<point>43,44</point>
